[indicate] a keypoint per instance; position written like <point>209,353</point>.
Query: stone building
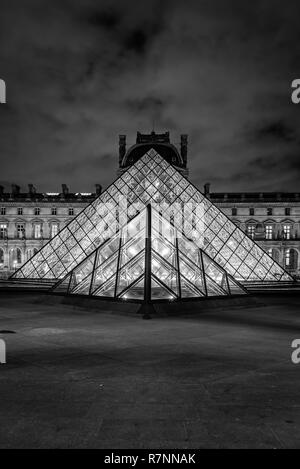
<point>29,220</point>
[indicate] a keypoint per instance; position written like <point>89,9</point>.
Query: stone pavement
<point>76,378</point>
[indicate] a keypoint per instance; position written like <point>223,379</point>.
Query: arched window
<point>1,257</point>
<point>15,257</point>
<point>274,253</point>
<point>293,259</point>
<point>18,256</point>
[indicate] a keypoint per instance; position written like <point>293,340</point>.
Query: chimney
<point>207,190</point>
<point>183,148</point>
<point>122,148</point>
<point>65,189</point>
<point>15,189</point>
<point>98,189</point>
<point>31,190</point>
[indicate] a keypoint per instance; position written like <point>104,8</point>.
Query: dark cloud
<point>136,41</point>
<point>107,18</point>
<point>80,72</point>
<point>276,130</point>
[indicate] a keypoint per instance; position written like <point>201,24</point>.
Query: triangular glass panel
<point>107,288</point>
<point>215,273</point>
<point>63,285</point>
<point>235,288</point>
<point>165,271</point>
<point>192,273</point>
<point>135,291</point>
<point>131,272</point>
<point>189,290</point>
<point>82,275</point>
<point>159,291</point>
<point>106,270</point>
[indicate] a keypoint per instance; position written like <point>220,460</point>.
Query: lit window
<point>54,211</point>
<point>3,210</point>
<point>287,231</point>
<point>234,212</point>
<point>251,231</point>
<point>3,231</point>
<point>71,211</point>
<point>54,230</point>
<point>37,231</point>
<point>20,231</point>
<point>16,257</point>
<point>20,211</point>
<point>269,232</point>
<point>287,257</point>
<point>288,211</point>
<point>37,211</point>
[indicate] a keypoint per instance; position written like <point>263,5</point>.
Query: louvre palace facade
<point>29,219</point>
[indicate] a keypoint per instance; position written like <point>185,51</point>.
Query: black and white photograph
<point>149,227</point>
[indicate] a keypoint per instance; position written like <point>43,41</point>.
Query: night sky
<point>81,72</point>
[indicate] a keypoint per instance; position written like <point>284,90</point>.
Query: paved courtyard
<point>80,378</point>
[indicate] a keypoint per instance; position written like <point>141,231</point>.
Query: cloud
<point>80,72</point>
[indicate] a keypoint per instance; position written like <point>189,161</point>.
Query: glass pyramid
<point>195,249</point>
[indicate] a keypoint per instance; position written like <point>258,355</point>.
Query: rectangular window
<point>54,230</point>
<point>20,231</point>
<point>287,211</point>
<point>71,211</point>
<point>251,231</point>
<point>251,211</point>
<point>37,231</point>
<point>20,211</point>
<point>287,231</point>
<point>287,258</point>
<point>37,211</point>
<point>234,212</point>
<point>3,231</point>
<point>269,232</point>
<point>3,210</point>
<point>54,211</point>
<point>269,211</point>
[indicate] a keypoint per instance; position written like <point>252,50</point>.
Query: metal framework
<point>191,249</point>
<point>147,261</point>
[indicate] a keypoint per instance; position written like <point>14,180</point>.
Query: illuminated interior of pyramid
<point>178,268</point>
<point>195,249</point>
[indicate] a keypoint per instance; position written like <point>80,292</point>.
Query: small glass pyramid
<point>118,267</point>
